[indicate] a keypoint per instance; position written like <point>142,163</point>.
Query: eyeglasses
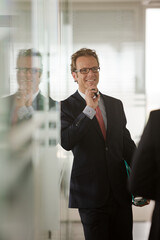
<point>86,70</point>
<point>29,70</point>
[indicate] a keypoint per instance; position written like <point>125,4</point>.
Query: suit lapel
<point>38,102</point>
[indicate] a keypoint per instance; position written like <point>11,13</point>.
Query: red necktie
<point>101,122</point>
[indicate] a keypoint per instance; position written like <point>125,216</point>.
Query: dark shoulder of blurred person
<point>145,175</point>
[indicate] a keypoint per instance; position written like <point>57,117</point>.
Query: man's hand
<point>20,98</point>
<point>23,98</point>
<point>91,97</point>
<point>29,99</point>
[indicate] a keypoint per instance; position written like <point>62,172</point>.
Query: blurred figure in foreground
<point>145,175</point>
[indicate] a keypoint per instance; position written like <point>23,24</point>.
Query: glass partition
<point>33,40</point>
<point>152,58</point>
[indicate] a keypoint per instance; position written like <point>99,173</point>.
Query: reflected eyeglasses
<point>28,70</point>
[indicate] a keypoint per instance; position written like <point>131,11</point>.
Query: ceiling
<point>123,1</point>
<point>143,2</point>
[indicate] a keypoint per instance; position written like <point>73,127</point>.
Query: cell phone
<point>96,94</point>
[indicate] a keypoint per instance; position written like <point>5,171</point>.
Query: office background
<point>34,169</point>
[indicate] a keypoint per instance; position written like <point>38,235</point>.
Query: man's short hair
<point>82,52</point>
<point>30,53</point>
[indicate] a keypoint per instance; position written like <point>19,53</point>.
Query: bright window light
<point>153,58</point>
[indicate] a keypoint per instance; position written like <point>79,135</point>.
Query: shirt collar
<point>82,94</point>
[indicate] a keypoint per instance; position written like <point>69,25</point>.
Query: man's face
<point>88,79</point>
<point>28,75</point>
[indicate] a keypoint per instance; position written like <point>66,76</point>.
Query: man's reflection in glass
<point>28,97</point>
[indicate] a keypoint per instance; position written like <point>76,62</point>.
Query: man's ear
<point>74,76</point>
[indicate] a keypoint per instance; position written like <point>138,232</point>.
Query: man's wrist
<point>25,112</point>
<point>89,112</point>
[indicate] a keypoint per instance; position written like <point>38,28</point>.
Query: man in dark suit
<point>28,97</point>
<point>98,186</point>
<point>145,176</point>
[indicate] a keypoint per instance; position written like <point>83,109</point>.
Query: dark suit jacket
<point>98,165</point>
<point>145,176</point>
